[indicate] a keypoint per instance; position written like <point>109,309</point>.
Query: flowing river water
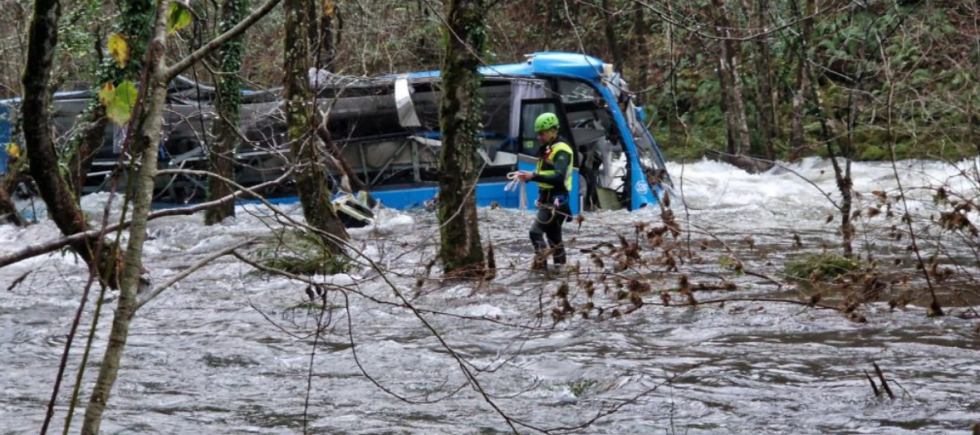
<point>228,351</point>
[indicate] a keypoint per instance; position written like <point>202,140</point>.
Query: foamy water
<point>225,352</point>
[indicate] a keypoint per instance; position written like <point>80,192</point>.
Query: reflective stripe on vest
<point>555,149</point>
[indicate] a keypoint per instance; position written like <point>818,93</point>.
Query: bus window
<point>530,110</point>
<point>650,158</point>
<point>574,91</point>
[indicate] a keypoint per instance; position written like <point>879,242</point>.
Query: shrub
<point>822,266</point>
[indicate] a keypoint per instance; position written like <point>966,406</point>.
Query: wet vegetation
<point>822,266</point>
<point>300,253</point>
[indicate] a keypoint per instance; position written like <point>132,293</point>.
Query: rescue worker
<point>554,177</point>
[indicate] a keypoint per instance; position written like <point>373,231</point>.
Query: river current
<point>228,350</point>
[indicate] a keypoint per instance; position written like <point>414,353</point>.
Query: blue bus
<point>387,131</point>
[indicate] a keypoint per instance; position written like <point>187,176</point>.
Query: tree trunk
<point>611,40</point>
<point>970,134</point>
<point>842,176</point>
<point>329,36</point>
<point>427,56</point>
<point>8,212</point>
<point>728,64</point>
<point>797,137</point>
<point>310,177</point>
<point>460,119</point>
<point>764,101</point>
<point>8,182</point>
<point>640,31</point>
<point>674,123</point>
<point>973,111</point>
<point>221,156</point>
<point>356,185</point>
<point>134,24</point>
<point>146,130</point>
<point>844,181</point>
<point>731,145</point>
<point>38,135</point>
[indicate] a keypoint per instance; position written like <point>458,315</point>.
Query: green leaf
<point>178,17</point>
<point>121,105</point>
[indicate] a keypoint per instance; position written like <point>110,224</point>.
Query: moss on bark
<point>459,118</point>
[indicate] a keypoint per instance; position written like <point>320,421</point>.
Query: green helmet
<point>546,121</point>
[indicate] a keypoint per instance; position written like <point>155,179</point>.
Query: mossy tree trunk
<point>146,130</point>
<point>460,119</point>
<point>134,23</point>
<point>221,156</point>
<point>55,190</point>
<point>300,123</point>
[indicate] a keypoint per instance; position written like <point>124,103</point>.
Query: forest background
<point>771,79</point>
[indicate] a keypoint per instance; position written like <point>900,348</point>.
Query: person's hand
<point>525,175</point>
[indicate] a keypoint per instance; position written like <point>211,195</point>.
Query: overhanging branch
<point>199,54</point>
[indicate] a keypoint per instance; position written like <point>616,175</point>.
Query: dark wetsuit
<point>553,208</point>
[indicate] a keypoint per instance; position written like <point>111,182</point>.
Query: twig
<point>199,54</point>
<point>760,275</point>
<point>309,373</point>
<point>54,245</point>
<point>17,281</point>
<point>614,409</point>
<point>884,383</point>
<point>873,386</point>
<point>173,280</point>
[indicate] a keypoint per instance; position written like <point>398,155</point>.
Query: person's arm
<point>562,161</point>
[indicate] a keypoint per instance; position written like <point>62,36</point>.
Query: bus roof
<point>539,64</point>
<point>546,63</point>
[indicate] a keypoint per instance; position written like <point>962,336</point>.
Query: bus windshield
<point>650,158</point>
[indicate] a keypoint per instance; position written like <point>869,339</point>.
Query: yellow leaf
<point>107,94</point>
<point>119,49</point>
<point>13,150</point>
<point>328,8</point>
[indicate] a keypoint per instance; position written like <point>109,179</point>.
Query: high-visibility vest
<point>546,165</point>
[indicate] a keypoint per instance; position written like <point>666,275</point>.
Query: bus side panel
<point>489,193</point>
<point>575,199</point>
<point>4,136</point>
